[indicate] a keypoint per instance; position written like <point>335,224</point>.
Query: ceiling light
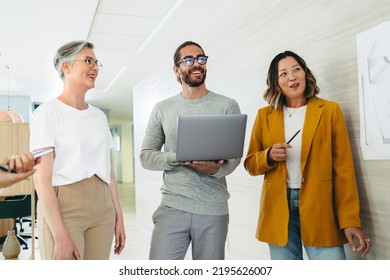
<point>10,116</point>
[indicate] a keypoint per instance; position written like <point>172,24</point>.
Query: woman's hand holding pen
<point>278,152</point>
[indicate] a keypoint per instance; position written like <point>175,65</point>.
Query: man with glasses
<point>194,207</point>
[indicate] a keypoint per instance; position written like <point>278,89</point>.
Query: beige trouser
<point>88,214</point>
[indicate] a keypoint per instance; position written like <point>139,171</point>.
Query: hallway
<point>137,235</point>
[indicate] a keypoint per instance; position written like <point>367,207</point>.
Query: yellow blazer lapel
<point>276,124</point>
<point>313,115</point>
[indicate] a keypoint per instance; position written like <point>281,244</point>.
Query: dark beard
<point>194,83</point>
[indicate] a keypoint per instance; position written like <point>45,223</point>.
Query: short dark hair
<point>273,94</point>
<point>176,56</point>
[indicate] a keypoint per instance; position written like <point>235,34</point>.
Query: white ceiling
<point>131,37</point>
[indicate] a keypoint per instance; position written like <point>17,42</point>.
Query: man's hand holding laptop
<point>209,166</point>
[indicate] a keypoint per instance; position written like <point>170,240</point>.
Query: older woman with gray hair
<point>78,207</point>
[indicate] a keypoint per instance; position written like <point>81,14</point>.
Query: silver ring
<point>368,239</point>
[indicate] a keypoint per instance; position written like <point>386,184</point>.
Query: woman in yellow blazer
<point>309,193</point>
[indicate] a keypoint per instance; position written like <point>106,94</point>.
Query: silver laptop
<point>210,137</point>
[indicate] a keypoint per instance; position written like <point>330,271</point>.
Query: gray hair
<point>67,52</point>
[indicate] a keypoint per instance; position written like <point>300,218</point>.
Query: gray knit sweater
<point>183,187</point>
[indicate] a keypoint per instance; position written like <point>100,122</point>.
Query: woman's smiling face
<point>291,78</point>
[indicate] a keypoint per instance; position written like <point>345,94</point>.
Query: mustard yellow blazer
<point>329,199</point>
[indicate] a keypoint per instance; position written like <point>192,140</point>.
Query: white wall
<point>241,46</point>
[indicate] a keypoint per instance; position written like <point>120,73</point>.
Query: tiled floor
<point>137,236</point>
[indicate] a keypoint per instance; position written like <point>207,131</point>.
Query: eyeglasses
<point>91,62</point>
<point>190,60</point>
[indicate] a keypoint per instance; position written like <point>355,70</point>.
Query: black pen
<point>293,136</point>
<point>6,169</point>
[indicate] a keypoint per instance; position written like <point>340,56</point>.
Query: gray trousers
<point>174,230</point>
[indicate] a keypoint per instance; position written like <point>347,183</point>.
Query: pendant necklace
<point>291,113</point>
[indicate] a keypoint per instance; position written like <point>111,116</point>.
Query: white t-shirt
<point>81,138</point>
<point>293,121</point>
